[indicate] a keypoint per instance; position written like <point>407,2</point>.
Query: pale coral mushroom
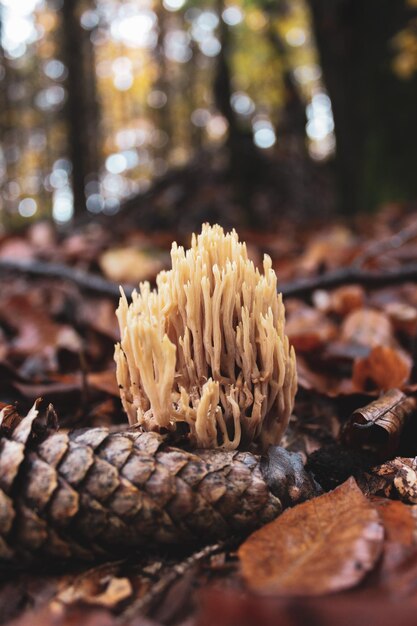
<point>208,347</point>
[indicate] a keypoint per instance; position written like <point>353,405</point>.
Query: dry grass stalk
<point>208,347</point>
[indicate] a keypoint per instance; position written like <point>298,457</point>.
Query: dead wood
<point>86,281</point>
<point>304,287</point>
<point>300,287</point>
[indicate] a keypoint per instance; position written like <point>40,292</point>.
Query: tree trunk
<point>373,109</point>
<point>246,164</point>
<point>82,109</point>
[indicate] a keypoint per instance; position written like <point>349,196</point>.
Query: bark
<point>82,109</point>
<point>94,494</point>
<point>373,109</point>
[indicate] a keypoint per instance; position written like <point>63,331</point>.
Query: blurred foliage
<point>152,104</point>
<point>100,98</point>
<point>405,46</point>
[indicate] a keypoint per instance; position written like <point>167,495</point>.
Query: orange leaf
<point>308,329</point>
<point>383,369</point>
<point>398,520</point>
<point>325,544</point>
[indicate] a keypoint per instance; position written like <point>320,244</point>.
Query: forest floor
<point>349,556</point>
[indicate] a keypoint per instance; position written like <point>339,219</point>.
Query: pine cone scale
<point>94,494</point>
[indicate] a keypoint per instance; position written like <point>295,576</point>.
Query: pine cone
<point>95,494</point>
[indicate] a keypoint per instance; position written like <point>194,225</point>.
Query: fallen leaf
<point>399,520</point>
<point>368,327</point>
<point>227,607</point>
<point>100,316</point>
<point>341,301</point>
<point>115,591</point>
<point>104,381</point>
<point>308,329</point>
<point>323,545</point>
<point>129,265</point>
<point>397,569</point>
<point>403,317</point>
<point>16,248</point>
<point>378,425</point>
<point>331,247</point>
<point>331,385</point>
<point>36,331</point>
<point>54,616</point>
<point>394,479</point>
<point>384,368</point>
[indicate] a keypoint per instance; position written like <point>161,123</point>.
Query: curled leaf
<point>378,426</point>
<point>323,545</point>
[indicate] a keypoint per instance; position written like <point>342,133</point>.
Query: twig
<point>84,280</point>
<point>301,288</point>
<point>385,245</point>
<point>142,605</point>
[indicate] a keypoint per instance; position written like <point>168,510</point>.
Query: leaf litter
<point>354,343</point>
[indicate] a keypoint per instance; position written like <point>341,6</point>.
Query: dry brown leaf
<point>115,591</point>
<point>36,330</point>
<point>403,317</point>
<point>129,265</point>
<point>329,385</point>
<point>61,617</point>
<point>228,607</point>
<point>399,520</point>
<point>99,314</point>
<point>378,425</point>
<point>341,301</point>
<point>16,248</point>
<point>397,569</point>
<point>104,381</point>
<point>368,327</point>
<point>394,479</point>
<point>331,247</point>
<point>383,369</point>
<point>324,545</point>
<point>308,329</point>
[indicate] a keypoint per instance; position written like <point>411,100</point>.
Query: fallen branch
<point>300,288</point>
<point>304,287</point>
<point>393,242</point>
<point>178,570</point>
<point>86,281</point>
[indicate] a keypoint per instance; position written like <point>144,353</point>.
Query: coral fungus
<point>208,347</point>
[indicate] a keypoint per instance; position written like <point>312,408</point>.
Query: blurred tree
<point>82,108</point>
<point>374,109</point>
<point>245,162</point>
<point>126,91</point>
<point>4,122</point>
